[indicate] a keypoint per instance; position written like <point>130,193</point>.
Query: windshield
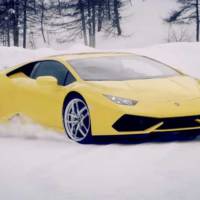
<point>116,68</point>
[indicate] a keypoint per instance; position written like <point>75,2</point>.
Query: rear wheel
<point>76,120</point>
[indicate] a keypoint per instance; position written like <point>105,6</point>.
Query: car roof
<point>68,57</point>
<point>73,56</point>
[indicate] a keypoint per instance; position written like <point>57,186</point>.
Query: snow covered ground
<point>36,163</point>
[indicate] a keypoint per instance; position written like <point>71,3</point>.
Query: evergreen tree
<point>187,13</point>
<point>70,19</point>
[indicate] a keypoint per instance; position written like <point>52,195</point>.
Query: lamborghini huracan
<point>101,94</point>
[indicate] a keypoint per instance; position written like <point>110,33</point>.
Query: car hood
<point>157,89</point>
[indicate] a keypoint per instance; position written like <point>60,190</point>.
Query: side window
<point>69,79</point>
<point>51,68</point>
<point>26,69</point>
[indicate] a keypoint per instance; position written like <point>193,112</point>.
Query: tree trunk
<point>100,10</point>
<point>89,23</point>
<point>4,38</point>
<point>25,24</point>
<point>59,7</point>
<point>197,20</point>
<point>15,18</point>
<point>8,33</point>
<point>108,9</point>
<point>8,25</point>
<point>42,22</point>
<point>93,25</point>
<point>117,21</point>
<point>34,6</point>
<point>83,22</point>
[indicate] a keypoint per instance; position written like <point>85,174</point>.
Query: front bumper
<point>141,125</point>
<point>154,117</point>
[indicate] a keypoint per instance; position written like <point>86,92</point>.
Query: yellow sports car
<point>101,94</point>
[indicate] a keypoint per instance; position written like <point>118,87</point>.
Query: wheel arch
<point>68,97</point>
<point>71,95</point>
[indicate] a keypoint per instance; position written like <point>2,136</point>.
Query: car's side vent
<point>134,123</point>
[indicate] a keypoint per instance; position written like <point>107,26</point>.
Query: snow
<point>142,25</point>
<point>35,169</point>
<point>15,55</point>
<point>38,163</point>
<point>183,56</point>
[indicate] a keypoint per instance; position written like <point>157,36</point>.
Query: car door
<point>42,102</point>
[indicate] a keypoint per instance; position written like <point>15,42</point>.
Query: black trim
<point>26,69</point>
<point>128,123</point>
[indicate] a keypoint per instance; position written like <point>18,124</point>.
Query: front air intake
<point>128,123</point>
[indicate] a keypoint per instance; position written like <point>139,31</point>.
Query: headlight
<point>121,101</point>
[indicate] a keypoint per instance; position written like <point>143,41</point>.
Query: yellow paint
<point>160,97</point>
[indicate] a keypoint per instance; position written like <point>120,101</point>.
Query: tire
<point>76,120</point>
<point>188,137</point>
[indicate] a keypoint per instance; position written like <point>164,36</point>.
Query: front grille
<point>128,123</point>
<point>134,123</point>
<point>180,122</point>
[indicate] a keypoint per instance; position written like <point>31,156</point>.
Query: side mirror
<point>48,81</point>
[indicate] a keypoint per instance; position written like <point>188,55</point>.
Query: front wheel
<point>188,137</point>
<point>76,120</point>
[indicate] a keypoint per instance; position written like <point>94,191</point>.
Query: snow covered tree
<point>87,17</point>
<point>68,19</point>
<point>187,13</point>
<point>12,13</point>
<point>6,13</point>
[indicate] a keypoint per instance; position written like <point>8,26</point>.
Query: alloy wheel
<point>77,120</point>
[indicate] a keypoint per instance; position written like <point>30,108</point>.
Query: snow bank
<point>183,56</point>
<point>10,56</point>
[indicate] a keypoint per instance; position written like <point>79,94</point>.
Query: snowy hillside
<point>183,56</point>
<point>142,25</point>
<point>36,163</point>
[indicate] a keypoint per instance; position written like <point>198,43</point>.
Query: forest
<point>23,20</point>
<point>76,18</point>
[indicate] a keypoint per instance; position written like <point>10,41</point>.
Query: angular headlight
<point>121,101</point>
